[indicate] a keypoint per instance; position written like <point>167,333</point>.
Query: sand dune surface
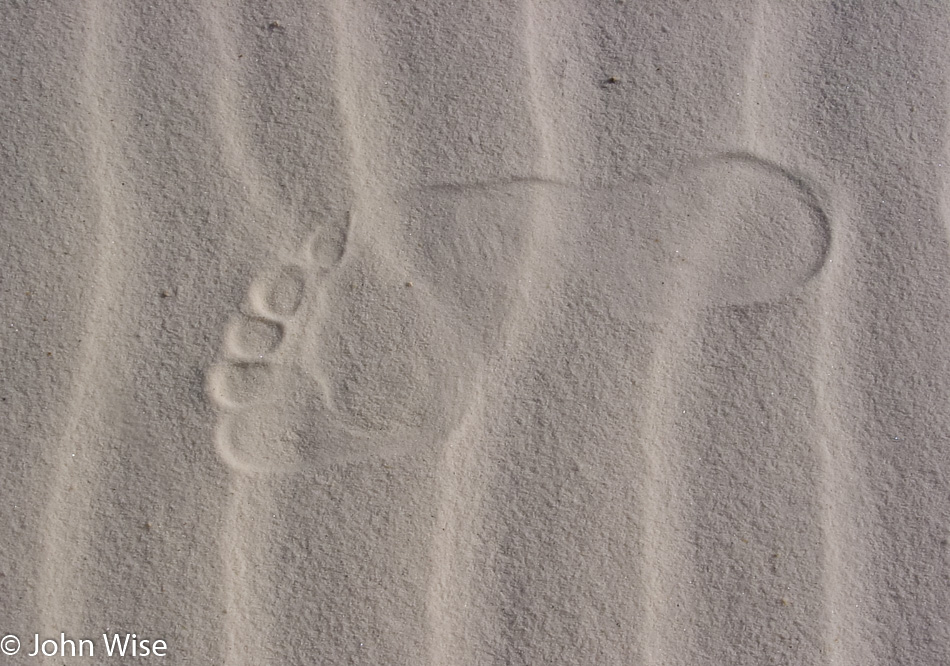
<point>495,333</point>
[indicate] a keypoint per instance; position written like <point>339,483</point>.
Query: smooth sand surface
<point>522,333</point>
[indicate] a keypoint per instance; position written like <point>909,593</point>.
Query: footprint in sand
<point>373,340</point>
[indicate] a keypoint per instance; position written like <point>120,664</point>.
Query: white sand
<point>538,333</point>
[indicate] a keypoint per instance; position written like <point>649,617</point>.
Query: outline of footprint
<point>291,425</point>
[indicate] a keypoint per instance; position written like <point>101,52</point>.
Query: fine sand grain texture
<point>459,334</point>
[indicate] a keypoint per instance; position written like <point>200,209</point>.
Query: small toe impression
<point>280,293</point>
